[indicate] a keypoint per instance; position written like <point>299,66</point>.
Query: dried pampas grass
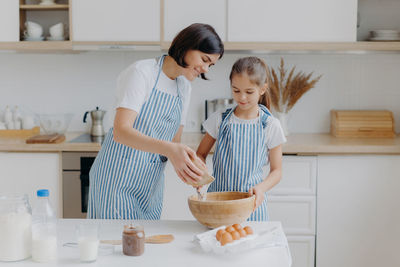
<point>286,91</point>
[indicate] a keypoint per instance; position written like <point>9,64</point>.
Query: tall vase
<point>283,119</point>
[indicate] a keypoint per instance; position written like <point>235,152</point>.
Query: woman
<point>127,179</point>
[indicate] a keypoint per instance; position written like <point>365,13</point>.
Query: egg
<point>226,238</point>
<point>230,229</point>
<point>235,235</point>
<point>219,234</point>
<point>237,226</point>
<point>242,233</point>
<point>248,230</point>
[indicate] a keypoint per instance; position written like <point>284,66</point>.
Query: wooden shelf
<point>44,7</point>
<point>40,46</point>
<point>315,46</point>
<point>354,47</point>
<point>303,46</point>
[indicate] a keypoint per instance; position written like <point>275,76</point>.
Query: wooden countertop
<point>300,144</point>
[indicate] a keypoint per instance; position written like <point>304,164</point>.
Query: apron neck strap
<point>160,64</point>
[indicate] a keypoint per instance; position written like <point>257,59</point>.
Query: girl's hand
<point>259,193</point>
<point>180,156</point>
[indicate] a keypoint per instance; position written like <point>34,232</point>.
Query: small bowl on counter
<point>55,123</point>
<point>222,208</point>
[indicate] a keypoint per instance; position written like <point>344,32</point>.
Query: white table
<point>183,251</point>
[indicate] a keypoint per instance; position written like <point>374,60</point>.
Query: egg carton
<point>271,237</point>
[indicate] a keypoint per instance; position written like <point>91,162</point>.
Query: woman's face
<point>245,93</point>
<point>198,63</point>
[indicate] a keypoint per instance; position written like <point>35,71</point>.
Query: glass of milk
<point>88,241</point>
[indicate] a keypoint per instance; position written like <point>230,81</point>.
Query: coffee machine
<point>216,104</point>
<point>97,121</point>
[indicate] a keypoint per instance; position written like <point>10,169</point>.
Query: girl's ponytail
<point>265,99</point>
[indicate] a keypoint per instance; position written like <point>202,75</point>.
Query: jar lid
<point>43,193</point>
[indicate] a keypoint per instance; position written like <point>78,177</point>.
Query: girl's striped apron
<point>240,153</point>
<point>126,183</point>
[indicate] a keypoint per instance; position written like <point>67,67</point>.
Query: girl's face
<point>198,63</point>
<point>245,93</point>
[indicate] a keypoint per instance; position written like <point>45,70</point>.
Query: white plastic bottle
<point>44,229</point>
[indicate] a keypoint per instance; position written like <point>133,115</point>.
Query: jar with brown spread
<point>133,240</point>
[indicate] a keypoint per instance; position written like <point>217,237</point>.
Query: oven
<point>75,180</point>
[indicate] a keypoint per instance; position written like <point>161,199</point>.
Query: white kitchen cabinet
<point>292,21</point>
<point>299,176</point>
<point>25,173</point>
<point>9,21</point>
<point>179,14</point>
<point>302,250</point>
<point>293,202</point>
<point>297,213</point>
<point>358,218</point>
<point>377,15</point>
<point>117,20</point>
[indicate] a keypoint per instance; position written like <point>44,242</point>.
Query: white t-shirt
<point>134,86</point>
<point>273,131</point>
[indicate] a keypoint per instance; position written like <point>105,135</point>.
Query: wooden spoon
<point>154,239</point>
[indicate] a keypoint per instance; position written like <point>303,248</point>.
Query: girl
<point>247,136</point>
<point>127,179</point>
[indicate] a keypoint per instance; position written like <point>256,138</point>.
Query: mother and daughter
<point>127,177</point>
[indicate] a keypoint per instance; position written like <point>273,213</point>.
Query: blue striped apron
<point>127,183</point>
<point>240,153</point>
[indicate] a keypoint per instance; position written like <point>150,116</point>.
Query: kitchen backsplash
<point>75,83</point>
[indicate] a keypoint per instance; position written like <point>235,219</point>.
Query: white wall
<point>45,83</point>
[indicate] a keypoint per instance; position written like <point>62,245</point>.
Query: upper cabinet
<point>260,25</point>
<point>380,15</point>
<point>116,20</point>
<point>9,21</point>
<point>179,14</point>
<point>292,21</point>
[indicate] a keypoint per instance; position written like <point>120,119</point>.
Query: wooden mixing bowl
<point>222,208</point>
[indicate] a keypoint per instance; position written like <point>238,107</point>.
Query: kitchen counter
<point>300,144</point>
<point>182,251</point>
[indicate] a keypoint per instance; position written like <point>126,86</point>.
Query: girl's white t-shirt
<point>273,131</point>
<point>135,83</point>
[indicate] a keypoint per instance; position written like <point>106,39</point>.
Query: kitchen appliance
<point>76,167</point>
<point>216,104</point>
<point>97,116</point>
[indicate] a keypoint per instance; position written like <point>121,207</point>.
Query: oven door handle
<point>84,191</point>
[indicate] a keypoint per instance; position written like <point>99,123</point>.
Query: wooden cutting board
<point>46,139</point>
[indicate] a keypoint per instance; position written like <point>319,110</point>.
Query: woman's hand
<point>258,191</point>
<point>180,156</point>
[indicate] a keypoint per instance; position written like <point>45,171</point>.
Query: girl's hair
<point>258,73</point>
<point>197,36</point>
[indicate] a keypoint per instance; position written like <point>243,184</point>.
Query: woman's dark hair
<point>258,73</point>
<point>197,36</point>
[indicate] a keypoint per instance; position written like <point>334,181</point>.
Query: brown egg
<point>230,229</point>
<point>235,235</point>
<point>242,233</point>
<point>226,238</point>
<point>219,234</point>
<point>237,226</point>
<point>248,230</point>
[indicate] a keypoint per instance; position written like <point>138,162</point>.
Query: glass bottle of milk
<point>15,227</point>
<point>44,229</point>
